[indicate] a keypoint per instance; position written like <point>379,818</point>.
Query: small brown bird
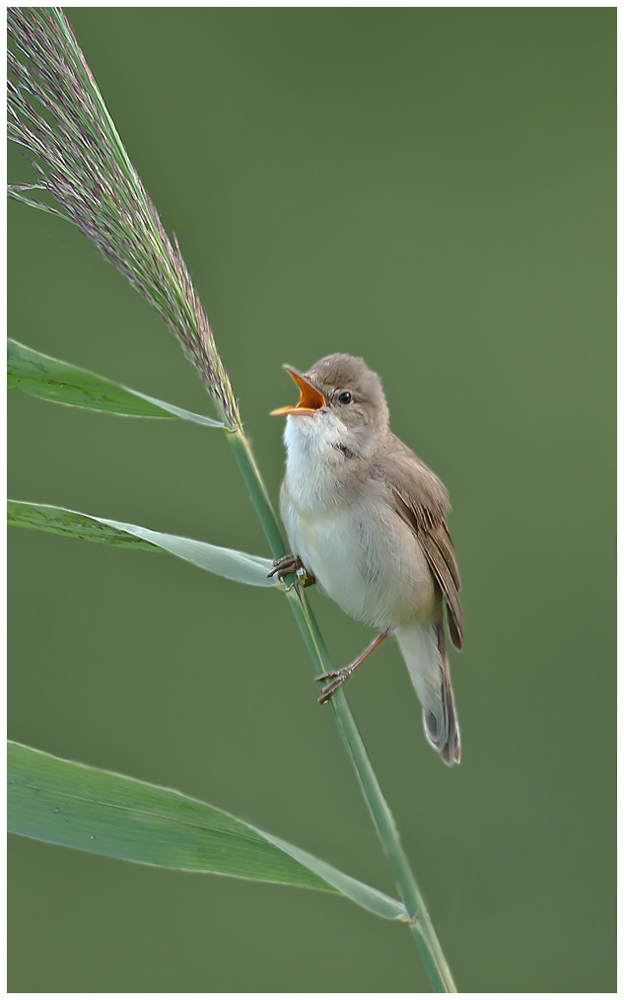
<point>366,518</point>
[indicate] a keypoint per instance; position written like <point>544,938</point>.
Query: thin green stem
<point>420,923</point>
<point>429,946</point>
<point>257,491</point>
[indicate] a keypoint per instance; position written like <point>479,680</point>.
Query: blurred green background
<point>432,189</point>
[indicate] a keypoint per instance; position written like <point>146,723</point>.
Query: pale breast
<point>364,557</point>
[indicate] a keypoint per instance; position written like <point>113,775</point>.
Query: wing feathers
<point>445,571</point>
<point>422,501</point>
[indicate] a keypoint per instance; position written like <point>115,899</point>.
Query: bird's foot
<point>292,564</point>
<point>336,679</point>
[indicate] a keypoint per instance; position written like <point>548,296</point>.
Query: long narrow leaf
<point>55,380</point>
<point>233,565</point>
<point>67,803</point>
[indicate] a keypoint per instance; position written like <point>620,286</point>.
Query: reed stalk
<point>429,946</point>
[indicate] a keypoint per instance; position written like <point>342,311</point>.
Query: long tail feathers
<point>441,728</point>
<point>424,651</point>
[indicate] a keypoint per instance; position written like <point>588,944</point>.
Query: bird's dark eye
<point>345,397</point>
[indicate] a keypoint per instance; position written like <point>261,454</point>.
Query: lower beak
<point>311,400</point>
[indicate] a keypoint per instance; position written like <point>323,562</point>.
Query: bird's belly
<point>375,570</point>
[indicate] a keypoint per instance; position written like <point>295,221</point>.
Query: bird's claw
<point>336,679</point>
<point>291,564</point>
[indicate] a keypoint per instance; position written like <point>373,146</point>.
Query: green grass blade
<point>362,894</point>
<point>229,563</point>
<point>60,382</point>
<point>67,803</point>
<point>68,522</point>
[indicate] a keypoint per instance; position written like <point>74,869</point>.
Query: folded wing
<point>421,500</point>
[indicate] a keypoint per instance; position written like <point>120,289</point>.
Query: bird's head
<point>341,401</point>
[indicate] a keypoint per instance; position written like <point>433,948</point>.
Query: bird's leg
<point>338,677</point>
<point>292,564</point>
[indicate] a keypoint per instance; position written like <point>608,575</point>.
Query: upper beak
<point>312,399</point>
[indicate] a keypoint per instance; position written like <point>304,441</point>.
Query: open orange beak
<point>311,399</point>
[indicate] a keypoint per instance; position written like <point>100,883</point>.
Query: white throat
<point>314,458</point>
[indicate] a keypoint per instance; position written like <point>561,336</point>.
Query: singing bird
<point>366,519</point>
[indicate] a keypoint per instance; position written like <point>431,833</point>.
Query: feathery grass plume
<point>58,116</point>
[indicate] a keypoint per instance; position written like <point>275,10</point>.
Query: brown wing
<point>438,548</point>
<point>422,501</point>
